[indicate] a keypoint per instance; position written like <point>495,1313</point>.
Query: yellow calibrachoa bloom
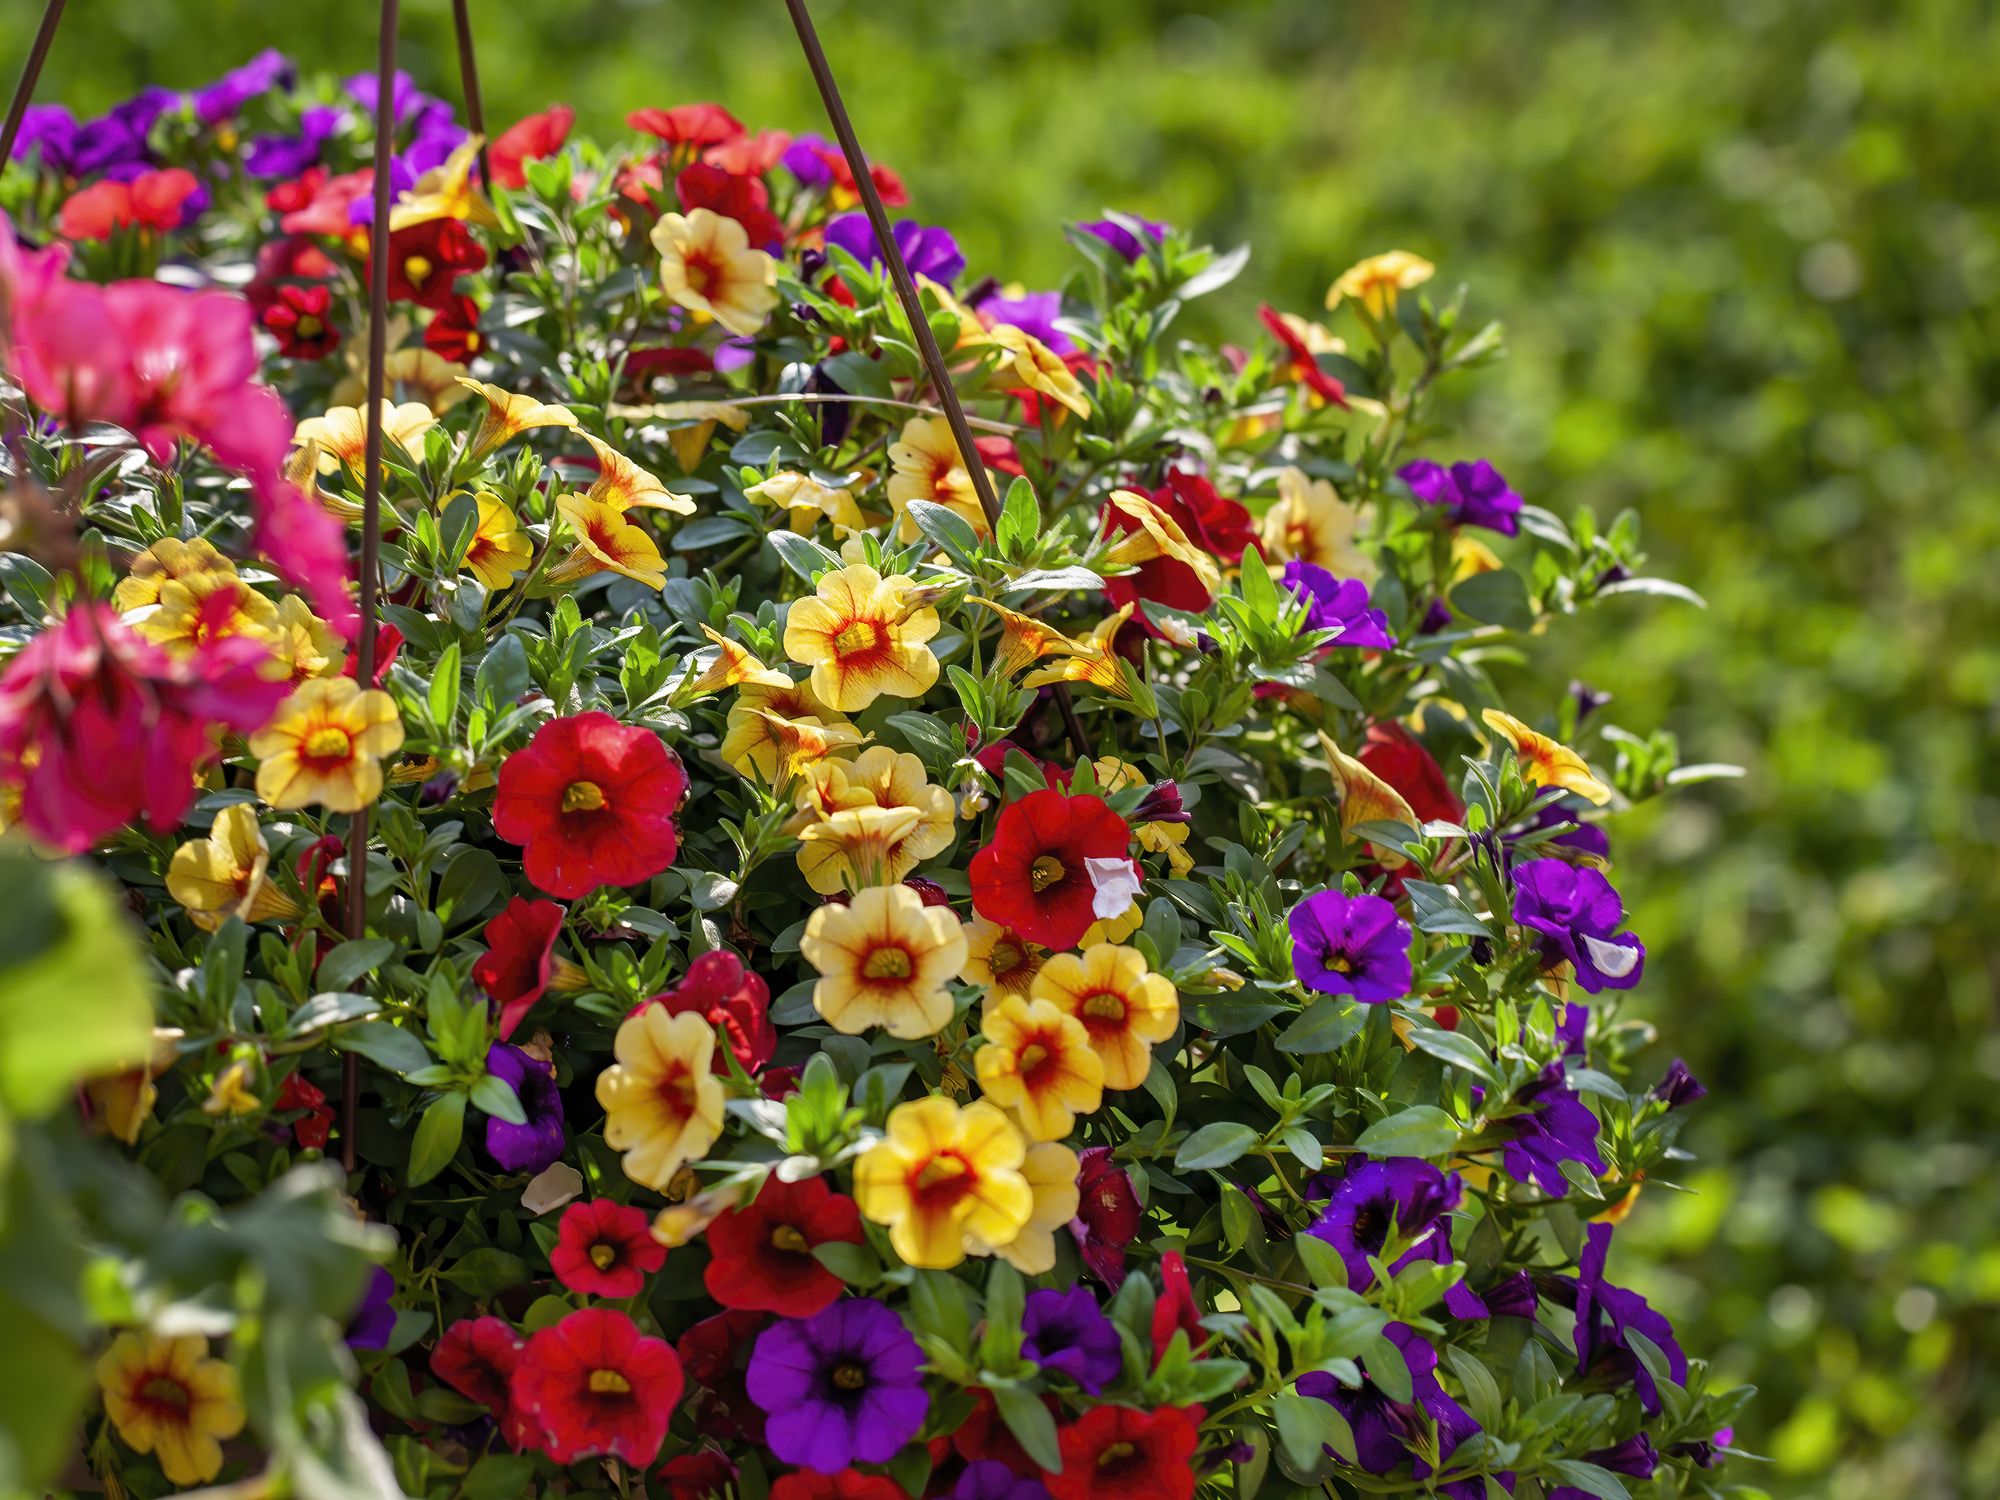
<point>1547,762</point>
<point>1024,640</point>
<point>1090,660</point>
<point>205,607</point>
<point>1170,839</point>
<point>854,846</point>
<point>734,665</point>
<point>623,484</point>
<point>942,1174</point>
<point>168,559</point>
<point>884,959</point>
<point>166,1397</point>
<point>1038,1062</point>
<point>862,639</point>
<point>1367,798</point>
<point>446,192</point>
<point>798,743</point>
<point>501,549</point>
<point>230,1093</point>
<point>1124,1006</point>
<point>878,778</point>
<point>926,465</point>
<point>1376,280</point>
<point>305,644</point>
<point>224,875</point>
<point>695,423</point>
<point>508,416</point>
<point>606,543</point>
<point>427,374</point>
<point>121,1103</point>
<point>342,433</point>
<point>1051,1172</point>
<point>1312,523</point>
<point>707,265</point>
<point>807,500</point>
<point>662,1101</point>
<point>325,745</point>
<point>1039,368</point>
<point>1159,535</point>
<point>1001,959</point>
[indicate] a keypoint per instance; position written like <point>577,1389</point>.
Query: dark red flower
<point>1399,758</point>
<point>1109,1212</point>
<point>1219,527</point>
<point>985,1435</point>
<point>290,197</point>
<point>281,262</point>
<point>312,1128</point>
<point>605,1249</point>
<point>699,1475</point>
<point>719,988</point>
<point>778,1083</point>
<point>715,1352</point>
<point>314,869</point>
<point>426,259</point>
<point>848,1484</point>
<point>593,1384</point>
<point>1116,1453</point>
<point>761,1255</point>
<point>519,958</point>
<point>527,140</point>
<point>744,199</point>
<point>993,759</point>
<point>642,365</point>
<point>932,893</point>
<point>1035,876</point>
<point>1300,365</point>
<point>453,331</point>
<point>592,802</point>
<point>1174,1311</point>
<point>388,643</point>
<point>477,1358</point>
<point>695,125</point>
<point>298,317</point>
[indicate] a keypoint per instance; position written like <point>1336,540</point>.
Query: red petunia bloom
<point>1035,876</point>
<point>720,989</point>
<point>528,140</point>
<point>299,318</point>
<point>999,453</point>
<point>453,331</point>
<point>520,958</point>
<point>778,1083</point>
<point>1109,1212</point>
<point>699,1475</point>
<point>592,802</point>
<point>848,1484</point>
<point>388,644</point>
<point>290,197</point>
<point>312,1128</point>
<point>284,262</point>
<point>887,182</point>
<point>1399,758</point>
<point>1116,1453</point>
<point>761,1255</point>
<point>744,199</point>
<point>750,155</point>
<point>152,200</point>
<point>697,125</point>
<point>593,1384</point>
<point>605,1249</point>
<point>1174,1311</point>
<point>426,260</point>
<point>1300,365</point>
<point>1219,527</point>
<point>715,1353</point>
<point>477,1358</point>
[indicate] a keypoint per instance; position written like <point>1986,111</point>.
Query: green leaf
<point>1258,591</point>
<point>1498,597</point>
<point>1388,1369</point>
<point>499,1476</point>
<point>329,1008</point>
<point>1664,588</point>
<point>437,1137</point>
<point>346,962</point>
<point>1306,1427</point>
<point>492,1096</point>
<point>1020,519</point>
<point>947,528</point>
<point>1460,1051</point>
<point>443,696</point>
<point>487,1270</point>
<point>1420,1130</point>
<point>803,556</point>
<point>1325,1025</point>
<point>858,375</point>
<point>386,1045</point>
<point>1033,1428</point>
<point>1592,1480</point>
<point>503,675</point>
<point>1215,1145</point>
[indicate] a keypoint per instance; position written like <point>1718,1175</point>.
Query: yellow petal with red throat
<point>707,266</point>
<point>838,802</point>
<point>500,550</point>
<point>342,433</point>
<point>224,875</point>
<point>1367,798</point>
<point>606,543</point>
<point>1038,1062</point>
<point>509,415</point>
<point>1375,282</point>
<point>446,192</point>
<point>925,464</point>
<point>884,959</point>
<point>944,1177</point>
<point>734,664</point>
<point>623,485</point>
<point>168,559</point>
<point>1123,1005</point>
<point>166,1397</point>
<point>1310,522</point>
<point>1024,640</point>
<point>325,744</point>
<point>808,501</point>
<point>1039,368</point>
<point>1090,661</point>
<point>1159,535</point>
<point>1547,762</point>
<point>661,1098</point>
<point>862,639</point>
<point>1051,1171</point>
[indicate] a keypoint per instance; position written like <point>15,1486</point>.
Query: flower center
<point>1045,872</point>
<point>1114,1454</point>
<point>886,963</point>
<point>329,742</point>
<point>850,1375</point>
<point>701,273</point>
<point>786,1237</point>
<point>856,637</point>
<point>1006,958</point>
<point>164,1390</point>
<point>603,1256</point>
<point>1371,1226</point>
<point>417,269</point>
<point>1339,962</point>
<point>609,1383</point>
<point>1104,1006</point>
<point>938,1171</point>
<point>309,327</point>
<point>582,796</point>
<point>1033,1056</point>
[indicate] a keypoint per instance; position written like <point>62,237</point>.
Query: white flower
<point>1117,885</point>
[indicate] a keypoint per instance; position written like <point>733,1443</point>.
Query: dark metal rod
<point>31,73</point>
<point>371,512</point>
<point>468,79</point>
<point>913,307</point>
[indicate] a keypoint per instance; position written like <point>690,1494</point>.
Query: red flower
<point>993,759</point>
<point>1300,365</point>
<point>639,180</point>
<point>1109,1211</point>
<point>718,987</point>
<point>778,1083</point>
<point>887,183</point>
<point>290,197</point>
<point>761,1255</point>
<point>695,125</point>
<point>311,1129</point>
<point>642,365</point>
<point>605,1249</point>
<point>848,1484</point>
<point>592,802</point>
<point>298,317</point>
<point>697,1476</point>
<point>1034,877</point>
<point>292,259</point>
<point>715,1352</point>
<point>426,259</point>
<point>1115,1453</point>
<point>527,140</point>
<point>152,200</point>
<point>751,155</point>
<point>477,1358</point>
<point>388,642</point>
<point>1217,526</point>
<point>743,199</point>
<point>1175,1310</point>
<point>453,331</point>
<point>326,211</point>
<point>999,453</point>
<point>594,1384</point>
<point>519,958</point>
<point>1400,759</point>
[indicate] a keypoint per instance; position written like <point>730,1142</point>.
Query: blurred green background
<point>1747,256</point>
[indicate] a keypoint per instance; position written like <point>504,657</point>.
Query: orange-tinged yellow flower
<point>806,501</point>
<point>446,192</point>
<point>862,638</point>
<point>879,779</point>
<point>943,1174</point>
<point>508,416</point>
<point>662,1101</point>
<point>1000,959</point>
<point>1470,556</point>
<point>1051,1171</point>
<point>121,1102</point>
<point>1124,1006</point>
<point>1039,368</point>
<point>694,424</point>
<point>707,265</point>
<point>166,1397</point>
<point>1089,660</point>
<point>325,745</point>
<point>341,434</point>
<point>1367,798</point>
<point>971,327</point>
<point>1547,762</point>
<point>305,645</point>
<point>1159,535</point>
<point>1024,640</point>
<point>1376,281</point>
<point>501,549</point>
<point>224,875</point>
<point>206,607</point>
<point>168,559</point>
<point>884,959</point>
<point>606,543</point>
<point>623,484</point>
<point>1038,1062</point>
<point>302,469</point>
<point>772,727</point>
<point>1312,523</point>
<point>734,665</point>
<point>427,375</point>
<point>925,465</point>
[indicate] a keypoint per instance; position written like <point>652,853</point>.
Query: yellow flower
<point>500,550</point>
<point>1170,839</point>
<point>606,543</point>
<point>862,639</point>
<point>325,745</point>
<point>1470,556</point>
<point>694,424</point>
<point>926,465</point>
<point>1114,929</point>
<point>1024,640</point>
<point>167,1398</point>
<point>1159,535</point>
<point>662,1101</point>
<point>1367,798</point>
<point>808,500</point>
<point>971,327</point>
<point>708,267</point>
<point>1000,959</point>
<point>231,1094</point>
<point>1547,762</point>
<point>884,959</point>
<point>429,376</point>
<point>120,1103</point>
<point>1123,1005</point>
<point>1377,280</point>
<point>204,607</point>
<point>446,192</point>
<point>1051,1172</point>
<point>685,1222</point>
<point>879,779</point>
<point>624,485</point>
<point>775,743</point>
<point>305,644</point>
<point>508,416</point>
<point>734,665</point>
<point>1090,660</point>
<point>167,559</point>
<point>1312,523</point>
<point>223,875</point>
<point>942,1174</point>
<point>342,433</point>
<point>1040,369</point>
<point>855,846</point>
<point>302,473</point>
<point>1038,1062</point>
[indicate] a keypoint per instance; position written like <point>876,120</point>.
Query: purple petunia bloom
<point>401,180</point>
<point>929,249</point>
<point>432,145</point>
<point>1067,1332</point>
<point>403,93</point>
<point>1571,1028</point>
<point>276,157</point>
<point>805,160</point>
<point>1513,1298</point>
<point>106,143</point>
<point>1338,604</point>
<point>222,99</point>
<point>989,1479</point>
<point>1414,1198</point>
<point>1586,839</point>
<point>537,1144</point>
<point>1475,492</point>
<point>1606,1313</point>
<point>1351,945</point>
<point>1033,313</point>
<point>1123,240</point>
<point>1578,913</point>
<point>51,131</point>
<point>843,1386</point>
<point>374,1319</point>
<point>1679,1087</point>
<point>1635,1456</point>
<point>1381,1427</point>
<point>1555,1128</point>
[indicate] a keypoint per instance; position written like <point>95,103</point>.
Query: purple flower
<point>143,108</point>
<point>361,88</point>
<point>1635,1456</point>
<point>1475,492</point>
<point>1351,945</point>
<point>107,142</point>
<point>1339,604</point>
<point>432,144</point>
<point>843,1386</point>
<point>1123,240</point>
<point>1513,1298</point>
<point>1382,1427</point>
<point>1406,1194</point>
<point>1679,1086</point>
<point>1033,313</point>
<point>1068,1333</point>
<point>1555,1127</point>
<point>928,249</point>
<point>535,1145</point>
<point>1570,1029</point>
<point>1578,915</point>
<point>276,157</point>
<point>53,131</point>
<point>222,99</point>
<point>1605,1314</point>
<point>1587,839</point>
<point>401,180</point>
<point>374,1319</point>
<point>806,161</point>
<point>989,1479</point>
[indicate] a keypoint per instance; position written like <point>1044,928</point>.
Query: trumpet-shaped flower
<point>622,484</point>
<point>446,192</point>
<point>926,465</point>
<point>1038,1062</point>
<point>166,1397</point>
<point>1090,660</point>
<point>1351,945</point>
<point>1302,341</point>
<point>606,543</point>
<point>594,1384</point>
<point>808,501</point>
<point>1367,798</point>
<point>203,608</point>
<point>342,433</point>
<point>1124,1007</point>
<point>1039,368</point>
<point>225,874</point>
<point>661,1098</point>
<point>1000,959</point>
<point>1310,522</point>
<point>508,416</point>
<point>878,779</point>
<point>707,265</point>
<point>305,644</point>
<point>942,1173</point>
<point>884,959</point>
<point>500,550</point>
<point>1474,493</point>
<point>1376,281</point>
<point>863,638</point>
<point>1547,762</point>
<point>1173,569</point>
<point>325,745</point>
<point>1035,877</point>
<point>592,801</point>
